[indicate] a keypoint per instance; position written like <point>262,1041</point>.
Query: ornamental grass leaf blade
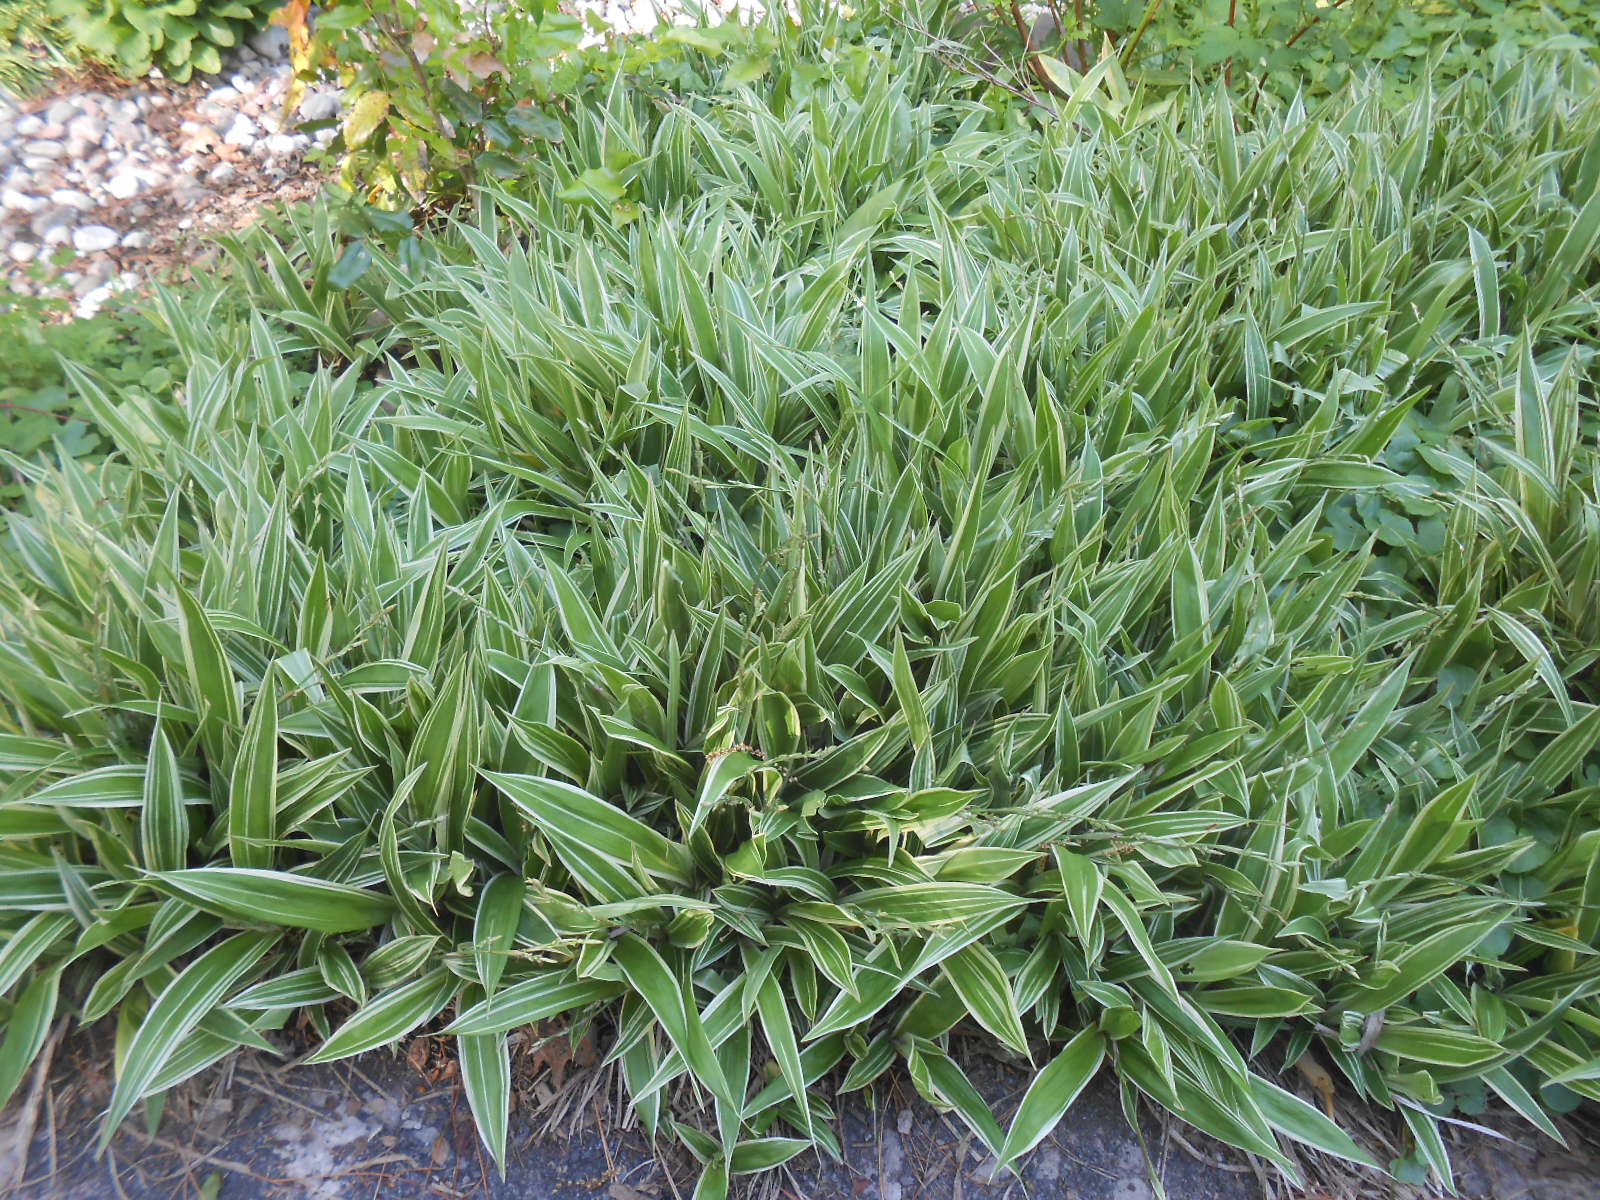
<point>1423,963</point>
<point>27,1029</point>
<point>599,841</point>
<point>486,1078</point>
<point>210,678</point>
<point>253,789</point>
<point>951,1085</point>
<point>390,1015</point>
<point>494,929</point>
<point>665,994</point>
<point>1294,1118</point>
<point>193,993</point>
<point>722,773</point>
<point>985,990</point>
<point>163,822</point>
<point>551,993</point>
<point>923,904</point>
<point>33,939</point>
<point>779,1031</point>
<point>252,897</point>
<point>1051,1094</point>
<point>1368,723</point>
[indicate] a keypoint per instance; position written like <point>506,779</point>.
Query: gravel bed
<point>99,185</point>
<point>93,180</point>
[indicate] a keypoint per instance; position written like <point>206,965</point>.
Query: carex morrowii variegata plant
<point>1121,582</point>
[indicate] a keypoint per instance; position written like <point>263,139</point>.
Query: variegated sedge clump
<point>1121,582</point>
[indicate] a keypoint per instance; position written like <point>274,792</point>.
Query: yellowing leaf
<point>364,118</point>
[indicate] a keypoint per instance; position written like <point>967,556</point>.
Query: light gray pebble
<point>60,112</point>
<point>46,148</point>
<point>242,132</point>
<point>28,126</point>
<point>22,252</point>
<point>221,173</point>
<point>57,235</point>
<point>272,42</point>
<point>93,300</point>
<point>71,198</point>
<point>90,239</point>
<point>319,106</point>
<point>51,218</point>
<point>136,239</point>
<point>124,185</point>
<point>16,200</point>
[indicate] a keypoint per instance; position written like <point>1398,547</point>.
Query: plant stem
<point>1310,25</point>
<point>43,412</point>
<point>1149,15</point>
<point>1233,16</point>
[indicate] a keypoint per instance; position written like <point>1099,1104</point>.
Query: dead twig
<point>28,1115</point>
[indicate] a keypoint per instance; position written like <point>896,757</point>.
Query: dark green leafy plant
<point>430,103</point>
<point>1285,45</point>
<point>442,95</point>
<point>178,36</point>
<point>37,415</point>
<point>930,569</point>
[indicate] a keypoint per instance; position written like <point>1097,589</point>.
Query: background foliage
<point>37,414</point>
<point>1285,45</point>
<point>178,36</point>
<point>444,94</point>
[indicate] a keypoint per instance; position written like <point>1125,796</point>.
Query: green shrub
<point>178,36</point>
<point>442,96</point>
<point>1284,45</point>
<point>36,412</point>
<point>1125,586</point>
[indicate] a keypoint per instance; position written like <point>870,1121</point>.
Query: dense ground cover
<point>818,567</point>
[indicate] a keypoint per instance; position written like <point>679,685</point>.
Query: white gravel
<point>93,171</point>
<point>90,239</point>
